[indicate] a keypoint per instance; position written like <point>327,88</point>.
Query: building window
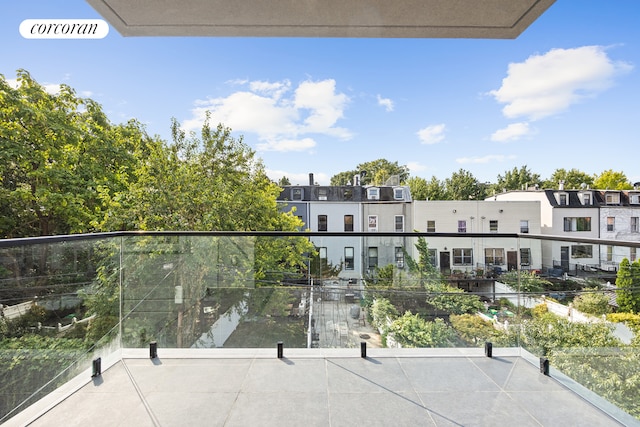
<point>525,256</point>
<point>347,194</point>
<point>634,199</point>
<point>373,193</point>
<point>322,253</point>
<point>431,253</point>
<point>322,194</point>
<point>400,223</point>
<point>610,223</point>
<point>494,256</point>
<point>398,193</point>
<point>462,226</point>
<point>563,199</point>
<point>348,258</point>
<point>322,223</point>
<point>634,224</point>
<point>632,254</point>
<point>524,226</point>
<point>493,225</point>
<point>581,251</point>
<point>296,193</point>
<point>586,199</point>
<point>373,222</point>
<point>609,253</point>
<point>373,257</point>
<point>348,223</point>
<point>612,198</point>
<point>399,257</point>
<point>431,226</point>
<point>577,224</point>
<point>462,256</point>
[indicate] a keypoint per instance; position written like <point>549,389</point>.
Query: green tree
<point>611,180</point>
<point>517,179</point>
<point>375,172</point>
<point>528,281</point>
<point>452,300</point>
<point>475,330</point>
<point>418,188</point>
<point>382,313</point>
<point>284,181</point>
<point>592,301</point>
<point>572,179</point>
<point>410,330</point>
<point>462,185</point>
<point>628,286</point>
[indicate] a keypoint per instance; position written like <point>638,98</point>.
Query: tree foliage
<point>517,179</point>
<point>375,172</point>
<point>628,284</point>
<point>462,185</point>
<point>592,301</point>
<point>572,179</point>
<point>612,180</point>
<point>410,330</point>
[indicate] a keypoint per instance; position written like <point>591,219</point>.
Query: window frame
<point>573,223</point>
<point>323,222</point>
<point>493,226</point>
<point>399,256</point>
<point>462,256</point>
<point>524,226</point>
<point>580,251</point>
<point>611,223</point>
<point>372,256</point>
<point>525,256</point>
<point>349,260</point>
<point>496,254</point>
<point>348,225</point>
<point>462,226</point>
<point>634,224</point>
<point>372,222</point>
<point>401,230</point>
<point>431,228</point>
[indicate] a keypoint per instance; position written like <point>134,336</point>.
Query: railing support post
<point>363,349</point>
<point>280,350</point>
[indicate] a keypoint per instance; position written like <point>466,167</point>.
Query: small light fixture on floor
<point>488,349</point>
<point>153,349</point>
<point>363,349</point>
<point>280,350</point>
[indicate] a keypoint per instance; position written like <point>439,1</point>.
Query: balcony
<point>247,330</point>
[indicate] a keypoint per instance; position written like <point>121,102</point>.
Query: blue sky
<point>565,94</point>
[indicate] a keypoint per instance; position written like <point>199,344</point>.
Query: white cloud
<point>298,178</point>
<point>416,167</point>
<point>548,84</point>
<point>50,88</point>
<point>432,134</point>
<point>280,117</point>
<point>287,145</point>
<point>485,159</point>
<point>513,132</point>
<point>386,103</point>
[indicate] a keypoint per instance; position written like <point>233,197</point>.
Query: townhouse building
<point>590,213</point>
<point>475,254</point>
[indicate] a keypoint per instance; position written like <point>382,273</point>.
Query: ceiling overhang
<point>493,19</point>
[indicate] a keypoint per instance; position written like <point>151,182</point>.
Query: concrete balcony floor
<point>322,387</point>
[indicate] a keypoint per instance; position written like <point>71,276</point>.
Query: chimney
<point>310,179</point>
<point>561,185</point>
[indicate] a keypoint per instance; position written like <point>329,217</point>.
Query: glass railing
<point>68,301</point>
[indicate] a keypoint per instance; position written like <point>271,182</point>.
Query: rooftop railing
<point>69,301</point>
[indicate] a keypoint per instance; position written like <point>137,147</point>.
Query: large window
<point>577,224</point>
<point>400,223</point>
<point>322,223</point>
<point>634,199</point>
<point>493,225</point>
<point>494,256</point>
<point>524,226</point>
<point>348,223</point>
<point>431,226</point>
<point>462,226</point>
<point>634,224</point>
<point>322,193</point>
<point>399,257</point>
<point>373,222</point>
<point>463,256</point>
<point>525,256</point>
<point>373,257</point>
<point>611,223</point>
<point>296,193</point>
<point>348,258</point>
<point>581,251</point>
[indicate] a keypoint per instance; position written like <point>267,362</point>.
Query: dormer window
<point>562,199</point>
<point>612,198</point>
<point>297,193</point>
<point>398,193</point>
<point>373,193</point>
<point>322,194</point>
<point>586,199</point>
<point>634,199</point>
